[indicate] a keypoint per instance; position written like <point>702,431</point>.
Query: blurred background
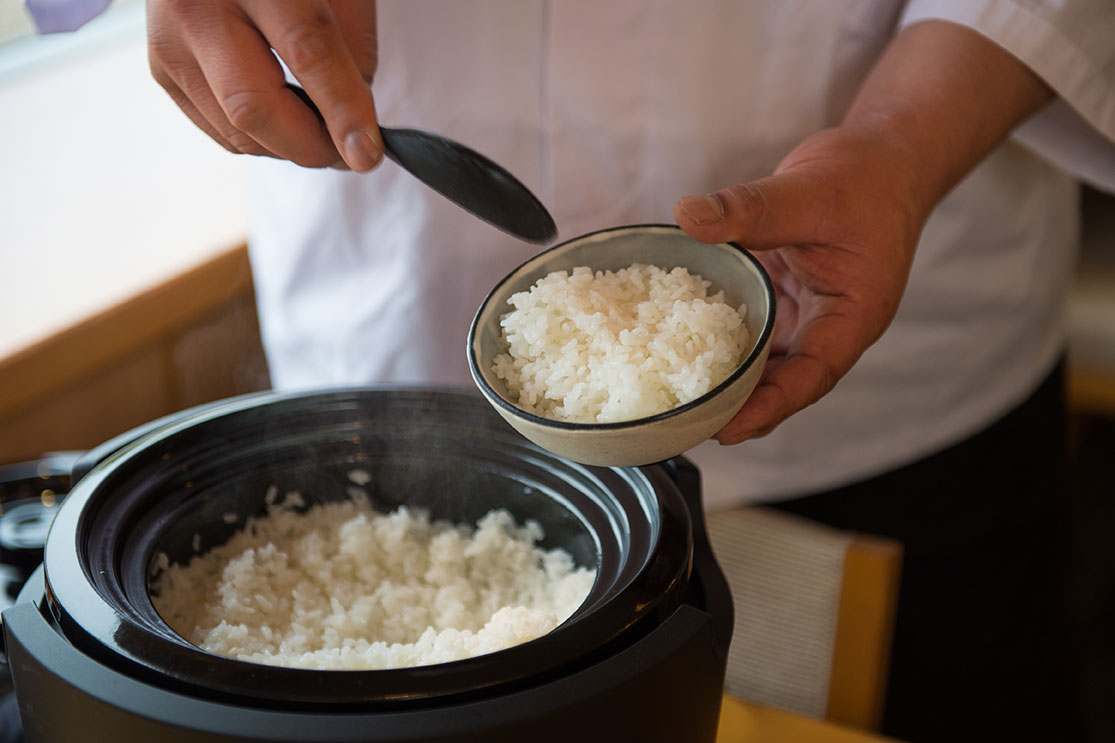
<point>125,291</point>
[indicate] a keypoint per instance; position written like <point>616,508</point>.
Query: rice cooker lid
<point>445,451</point>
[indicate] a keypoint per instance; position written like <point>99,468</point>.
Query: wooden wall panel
<point>188,341</point>
<point>94,409</point>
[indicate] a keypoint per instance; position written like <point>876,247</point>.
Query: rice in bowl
<point>343,587</point>
<point>596,347</point>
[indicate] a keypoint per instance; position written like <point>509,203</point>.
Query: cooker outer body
<point>645,661</point>
<point>171,492</point>
<point>665,687</point>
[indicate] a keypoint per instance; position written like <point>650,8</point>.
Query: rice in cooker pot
<point>613,346</point>
<point>342,587</point>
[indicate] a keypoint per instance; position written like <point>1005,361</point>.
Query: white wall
<point>106,188</point>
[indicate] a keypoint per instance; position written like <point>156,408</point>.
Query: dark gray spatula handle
<point>465,177</point>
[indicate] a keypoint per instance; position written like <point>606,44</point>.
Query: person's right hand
<point>215,61</point>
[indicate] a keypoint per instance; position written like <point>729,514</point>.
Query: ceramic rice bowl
<point>657,437</point>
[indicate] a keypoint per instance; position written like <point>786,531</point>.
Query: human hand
<point>837,223</point>
<point>835,226</point>
<point>215,60</point>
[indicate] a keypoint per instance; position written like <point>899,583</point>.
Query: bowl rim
<point>493,396</point>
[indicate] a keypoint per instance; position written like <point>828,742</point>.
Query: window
<point>106,187</point>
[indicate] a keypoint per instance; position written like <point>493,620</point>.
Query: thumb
<point>768,213</point>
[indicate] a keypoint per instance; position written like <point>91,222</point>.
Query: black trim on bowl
<point>503,402</point>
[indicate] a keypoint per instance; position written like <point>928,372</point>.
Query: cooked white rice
<point>613,346</point>
<point>342,587</point>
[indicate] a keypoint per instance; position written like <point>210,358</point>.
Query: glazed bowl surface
<point>661,436</point>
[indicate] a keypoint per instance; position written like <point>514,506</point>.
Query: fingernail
<point>361,151</point>
<point>707,209</point>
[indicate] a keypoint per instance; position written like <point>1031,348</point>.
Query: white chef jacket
<point>610,112</point>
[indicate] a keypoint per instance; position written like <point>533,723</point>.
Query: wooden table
<point>743,722</point>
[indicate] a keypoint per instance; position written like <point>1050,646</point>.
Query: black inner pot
<point>445,452</point>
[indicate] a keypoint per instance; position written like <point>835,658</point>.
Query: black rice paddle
<point>466,178</point>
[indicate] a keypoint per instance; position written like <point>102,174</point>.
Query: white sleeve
<point>1070,44</point>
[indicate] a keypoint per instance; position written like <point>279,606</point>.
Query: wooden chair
<point>814,614</point>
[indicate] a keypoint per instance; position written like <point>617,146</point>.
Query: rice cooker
<point>642,659</point>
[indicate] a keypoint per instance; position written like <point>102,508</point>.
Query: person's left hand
<point>835,226</point>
